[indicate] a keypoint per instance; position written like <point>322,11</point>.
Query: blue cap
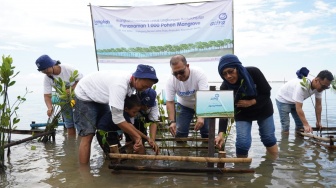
<point>148,97</point>
<point>44,62</point>
<point>302,72</point>
<point>145,71</point>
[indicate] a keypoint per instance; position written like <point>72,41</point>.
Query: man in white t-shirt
<point>290,99</point>
<point>103,91</point>
<point>53,70</point>
<point>184,82</point>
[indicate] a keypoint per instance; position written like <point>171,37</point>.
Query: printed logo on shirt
<point>186,93</point>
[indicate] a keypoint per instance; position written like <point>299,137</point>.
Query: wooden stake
<point>29,138</point>
<point>114,149</point>
<point>221,154</point>
<point>181,158</point>
<point>180,147</point>
<point>178,169</point>
<point>181,139</point>
<point>319,138</point>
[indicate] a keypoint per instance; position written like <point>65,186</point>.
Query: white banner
<point>152,34</point>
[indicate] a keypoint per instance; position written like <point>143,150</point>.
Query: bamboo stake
<point>325,129</point>
<point>29,138</point>
<point>16,131</point>
<point>181,158</point>
<point>178,169</point>
<point>114,149</point>
<point>180,147</point>
<point>181,139</point>
<point>221,154</point>
<point>319,138</point>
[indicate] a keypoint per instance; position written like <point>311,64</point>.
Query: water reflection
<point>301,163</point>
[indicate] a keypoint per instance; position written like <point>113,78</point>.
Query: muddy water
<point>301,163</point>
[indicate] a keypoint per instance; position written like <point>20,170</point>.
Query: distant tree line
<point>153,51</point>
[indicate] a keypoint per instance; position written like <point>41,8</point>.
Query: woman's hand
<point>246,103</point>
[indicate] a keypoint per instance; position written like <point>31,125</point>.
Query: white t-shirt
<point>66,71</point>
<point>293,91</point>
<point>153,113</point>
<point>186,91</point>
<point>106,88</point>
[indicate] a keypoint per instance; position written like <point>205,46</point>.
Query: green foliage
<point>8,116</point>
<point>333,84</point>
<point>306,85</point>
<point>66,100</point>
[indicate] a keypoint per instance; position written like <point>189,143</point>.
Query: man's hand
<point>319,125</point>
<point>154,146</point>
<point>199,124</point>
<point>138,147</point>
<point>307,129</point>
<point>172,129</point>
<point>49,112</point>
<point>219,141</point>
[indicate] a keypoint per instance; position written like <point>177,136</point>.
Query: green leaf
<point>11,83</point>
<point>33,148</point>
<point>104,140</point>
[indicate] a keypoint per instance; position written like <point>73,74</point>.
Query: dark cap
<point>44,62</point>
<point>302,72</point>
<point>145,71</point>
<point>148,97</point>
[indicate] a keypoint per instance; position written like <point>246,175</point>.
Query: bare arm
<point>170,110</point>
<point>299,110</point>
<point>171,116</point>
<point>152,130</point>
<point>47,100</point>
<point>318,111</point>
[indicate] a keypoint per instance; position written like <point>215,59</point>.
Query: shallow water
<point>301,163</point>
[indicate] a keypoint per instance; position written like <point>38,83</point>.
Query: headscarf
<point>247,87</point>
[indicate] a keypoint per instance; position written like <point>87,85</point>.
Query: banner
<point>153,34</point>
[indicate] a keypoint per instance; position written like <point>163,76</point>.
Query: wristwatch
<point>170,122</point>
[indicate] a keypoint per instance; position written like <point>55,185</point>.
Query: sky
<point>277,36</point>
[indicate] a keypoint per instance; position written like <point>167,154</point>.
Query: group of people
<point>117,104</point>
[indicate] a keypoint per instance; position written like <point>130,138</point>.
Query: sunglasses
<point>324,86</point>
<point>181,72</point>
<point>228,72</point>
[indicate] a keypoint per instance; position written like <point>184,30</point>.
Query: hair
<point>132,101</point>
<point>325,74</point>
<point>177,58</point>
<point>57,63</point>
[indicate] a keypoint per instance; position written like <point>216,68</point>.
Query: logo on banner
<point>221,20</point>
<point>103,22</point>
<point>222,16</point>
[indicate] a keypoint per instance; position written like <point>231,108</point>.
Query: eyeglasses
<point>323,86</point>
<point>228,72</point>
<point>181,72</point>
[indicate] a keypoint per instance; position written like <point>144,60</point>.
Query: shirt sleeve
<point>170,89</point>
<point>203,81</point>
<point>154,113</point>
<point>117,115</point>
<point>47,84</point>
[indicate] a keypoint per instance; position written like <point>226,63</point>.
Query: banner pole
<point>233,29</point>
<point>94,39</point>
